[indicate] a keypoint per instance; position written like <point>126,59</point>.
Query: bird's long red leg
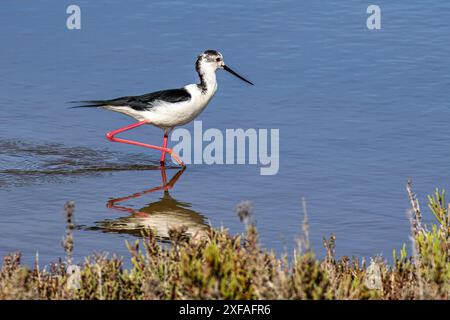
<point>163,153</point>
<point>111,136</point>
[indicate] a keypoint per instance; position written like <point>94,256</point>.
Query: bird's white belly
<point>172,115</point>
<point>169,115</point>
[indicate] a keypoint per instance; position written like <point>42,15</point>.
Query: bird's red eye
<point>218,59</point>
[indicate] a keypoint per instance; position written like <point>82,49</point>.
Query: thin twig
<point>415,253</point>
<point>417,217</point>
<point>304,240</point>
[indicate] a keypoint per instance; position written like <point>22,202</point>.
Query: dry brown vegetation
<point>224,266</point>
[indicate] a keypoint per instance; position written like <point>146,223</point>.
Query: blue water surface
<point>359,112</point>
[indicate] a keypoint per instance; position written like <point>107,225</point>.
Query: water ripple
<point>23,163</point>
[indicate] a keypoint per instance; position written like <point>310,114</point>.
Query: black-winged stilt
<point>167,109</point>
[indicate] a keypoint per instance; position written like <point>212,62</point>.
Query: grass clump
<point>219,265</point>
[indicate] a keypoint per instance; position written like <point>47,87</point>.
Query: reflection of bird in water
<point>160,216</point>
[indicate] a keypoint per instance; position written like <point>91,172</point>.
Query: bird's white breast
<point>169,115</point>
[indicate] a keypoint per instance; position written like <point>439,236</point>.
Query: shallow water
<point>359,113</point>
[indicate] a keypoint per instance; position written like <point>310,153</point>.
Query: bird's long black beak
<point>226,68</point>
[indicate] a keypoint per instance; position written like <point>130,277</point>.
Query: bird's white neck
<point>208,81</point>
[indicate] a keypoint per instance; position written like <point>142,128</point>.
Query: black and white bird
<point>167,109</point>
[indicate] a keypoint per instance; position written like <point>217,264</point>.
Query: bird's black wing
<point>142,102</point>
